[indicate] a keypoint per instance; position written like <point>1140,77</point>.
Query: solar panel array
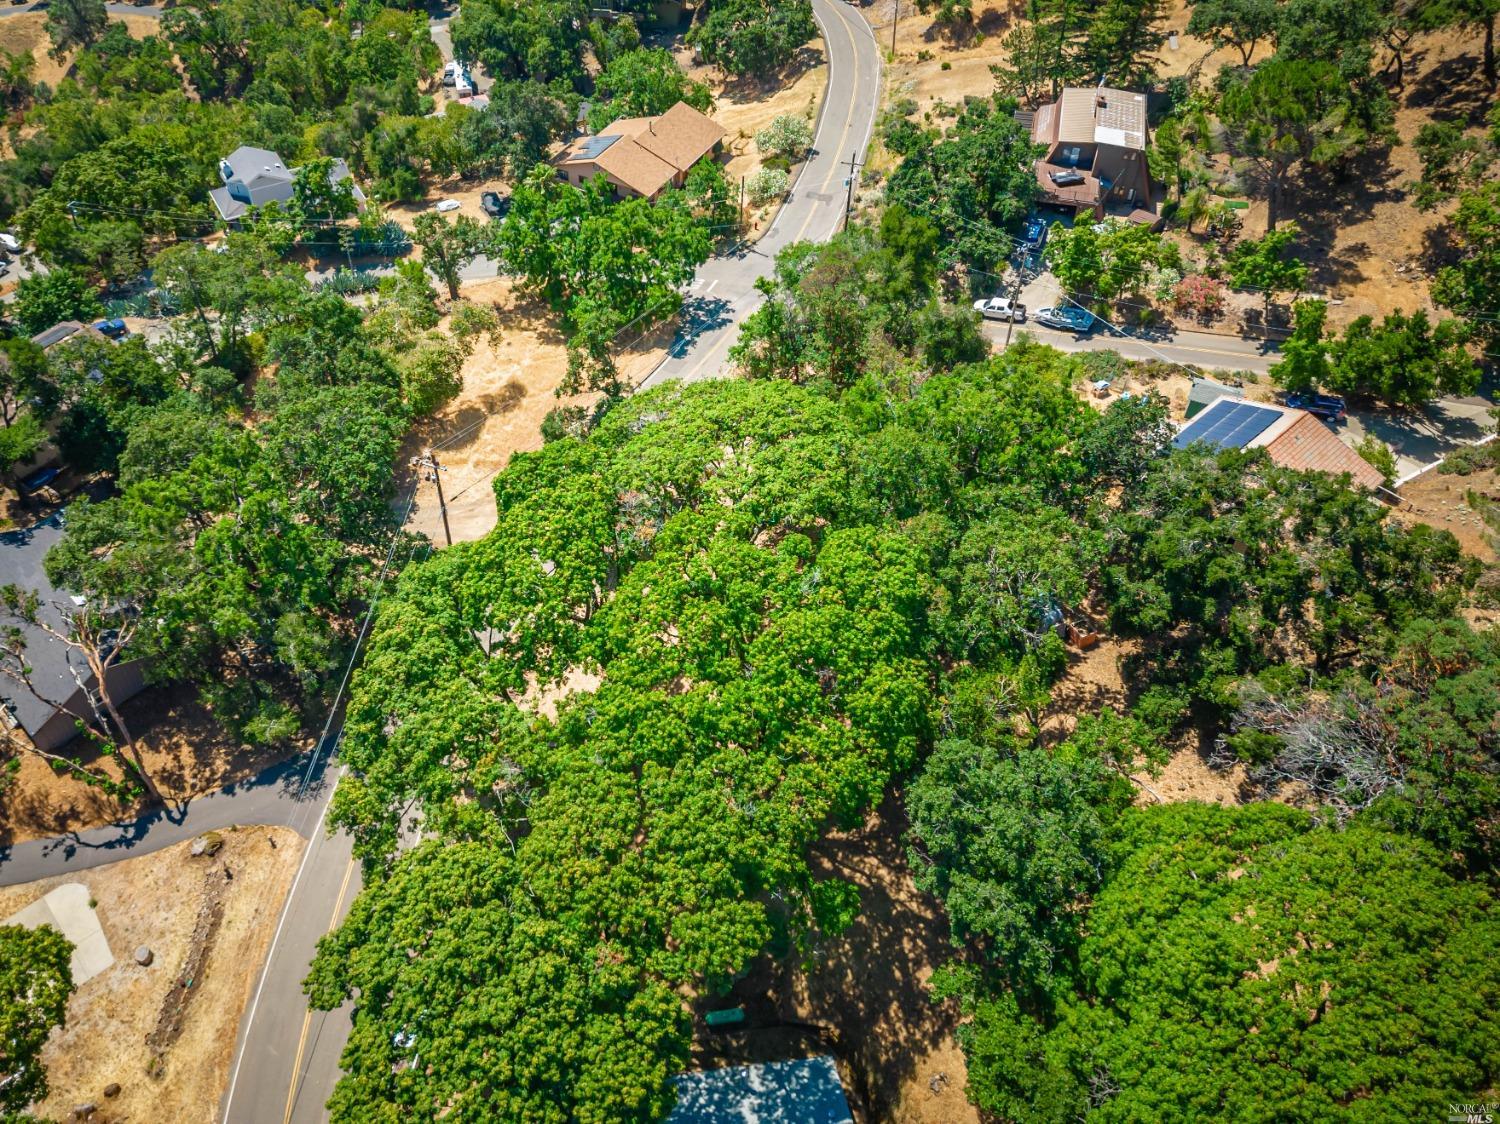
<point>593,146</point>
<point>1227,424</point>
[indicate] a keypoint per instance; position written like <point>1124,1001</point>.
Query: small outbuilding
<point>1206,391</point>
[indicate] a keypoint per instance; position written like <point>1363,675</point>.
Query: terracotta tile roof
<point>1310,446</point>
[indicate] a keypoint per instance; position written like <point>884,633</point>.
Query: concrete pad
<point>67,910</point>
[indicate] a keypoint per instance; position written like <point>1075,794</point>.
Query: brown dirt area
<point>154,901</point>
<point>28,32</point>
<point>744,108</point>
<point>186,751</point>
<point>1438,501</point>
<point>507,392</point>
<point>864,996</point>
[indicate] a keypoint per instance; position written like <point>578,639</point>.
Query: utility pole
<point>432,470</point>
<point>1014,293</point>
<point>895,19</point>
<point>849,182</point>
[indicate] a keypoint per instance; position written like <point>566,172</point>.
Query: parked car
<point>1066,319</point>
<point>450,73</point>
<point>1329,407</point>
<point>114,329</point>
<point>39,479</point>
<point>1034,234</point>
<point>10,242</point>
<point>495,205</point>
<point>446,205</point>
<point>1000,308</point>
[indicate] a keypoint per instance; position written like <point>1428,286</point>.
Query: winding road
<point>287,1059</point>
<point>287,1062</point>
<point>723,291</point>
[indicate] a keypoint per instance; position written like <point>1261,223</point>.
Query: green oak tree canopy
<point>1243,963</point>
<point>35,983</point>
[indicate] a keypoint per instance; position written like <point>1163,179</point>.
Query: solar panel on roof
<point>1227,425</point>
<point>593,146</point>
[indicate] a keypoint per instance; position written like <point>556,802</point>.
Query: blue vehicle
<point>1077,320</point>
<point>114,329</point>
<point>1034,234</point>
<point>1329,407</point>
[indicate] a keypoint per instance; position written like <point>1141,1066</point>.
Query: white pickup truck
<point>1000,308</point>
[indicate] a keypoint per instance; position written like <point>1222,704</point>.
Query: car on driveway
<point>1329,407</point>
<point>1000,308</point>
<point>10,242</point>
<point>1077,320</point>
<point>494,204</point>
<point>1034,234</point>
<point>115,329</point>
<point>446,205</point>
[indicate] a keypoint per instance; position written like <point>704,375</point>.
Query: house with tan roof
<point>1292,438</point>
<point>1095,161</point>
<point>643,156</point>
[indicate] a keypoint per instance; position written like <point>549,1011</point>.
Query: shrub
<point>767,184</point>
<point>788,135</point>
<point>1198,295</point>
<point>1379,454</point>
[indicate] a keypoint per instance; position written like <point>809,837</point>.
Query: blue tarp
<point>805,1091</point>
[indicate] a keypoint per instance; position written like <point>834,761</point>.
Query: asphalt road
<point>723,291</point>
<point>286,1059</point>
<point>1198,349</point>
<point>288,794</point>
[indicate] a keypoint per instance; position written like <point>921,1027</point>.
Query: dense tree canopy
<point>975,182</point>
<point>1241,963</point>
<point>35,983</point>
<point>753,37</point>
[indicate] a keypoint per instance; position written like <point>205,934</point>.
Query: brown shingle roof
<point>648,151</point>
<point>681,136</point>
<point>635,167</point>
<point>1310,446</point>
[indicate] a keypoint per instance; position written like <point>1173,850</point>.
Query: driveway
<point>723,291</point>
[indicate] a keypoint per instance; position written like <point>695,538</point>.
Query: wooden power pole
<point>432,470</point>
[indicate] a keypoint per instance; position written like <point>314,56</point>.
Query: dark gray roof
<point>21,555</point>
<point>804,1091</point>
<point>56,334</point>
<point>1227,424</point>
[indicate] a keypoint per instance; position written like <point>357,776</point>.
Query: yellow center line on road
<point>848,121</point>
<point>848,124</point>
<point>291,1093</point>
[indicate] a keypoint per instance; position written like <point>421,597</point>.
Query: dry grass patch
<point>155,901</point>
<point>507,390</point>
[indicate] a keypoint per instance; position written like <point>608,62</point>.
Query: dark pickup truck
<point>1329,407</point>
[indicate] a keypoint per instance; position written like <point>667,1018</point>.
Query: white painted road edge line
<point>265,968</point>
